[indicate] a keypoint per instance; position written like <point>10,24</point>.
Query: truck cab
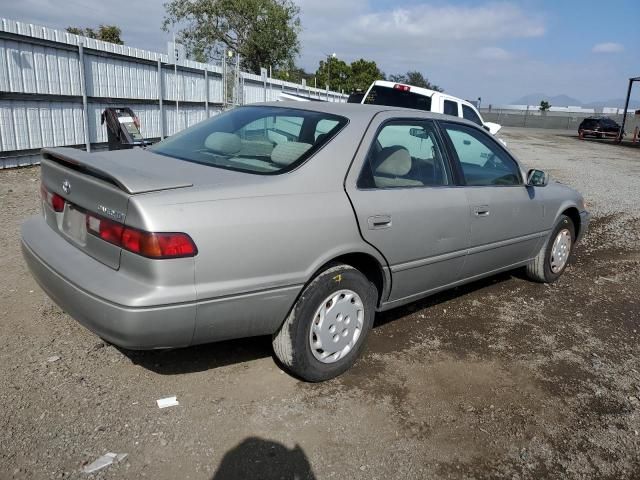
<point>382,92</point>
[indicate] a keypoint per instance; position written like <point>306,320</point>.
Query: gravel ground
<point>499,379</point>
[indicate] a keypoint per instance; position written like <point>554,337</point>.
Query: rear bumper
<point>128,327</point>
<point>63,272</point>
<point>585,218</point>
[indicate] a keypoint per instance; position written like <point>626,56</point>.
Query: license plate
<point>74,224</point>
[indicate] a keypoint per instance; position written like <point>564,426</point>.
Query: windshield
<point>261,140</point>
<point>379,95</point>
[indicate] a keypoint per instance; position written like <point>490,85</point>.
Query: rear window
<point>355,97</point>
<point>260,140</point>
<point>379,95</point>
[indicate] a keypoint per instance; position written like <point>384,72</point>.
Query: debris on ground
<point>167,402</point>
<point>104,461</point>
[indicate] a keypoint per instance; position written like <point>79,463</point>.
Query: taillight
<point>54,200</point>
<point>402,88</point>
<point>147,244</point>
<point>106,229</point>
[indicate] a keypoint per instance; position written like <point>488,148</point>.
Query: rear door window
<point>450,108</point>
<point>470,114</point>
<point>405,154</point>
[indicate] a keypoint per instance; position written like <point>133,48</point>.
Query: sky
<point>498,51</point>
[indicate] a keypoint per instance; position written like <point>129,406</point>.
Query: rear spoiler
<point>119,171</point>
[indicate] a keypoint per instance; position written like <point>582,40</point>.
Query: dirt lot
<point>501,379</point>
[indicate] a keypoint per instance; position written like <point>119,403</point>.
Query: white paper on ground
<point>104,461</point>
<point>167,402</point>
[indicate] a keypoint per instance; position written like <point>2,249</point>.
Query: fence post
<point>263,74</point>
<point>206,92</point>
<point>83,88</point>
<point>160,95</point>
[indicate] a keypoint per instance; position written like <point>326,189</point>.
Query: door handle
<point>379,221</point>
<point>481,211</point>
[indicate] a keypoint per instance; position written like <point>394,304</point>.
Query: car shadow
<point>444,296</point>
<point>256,458</point>
<point>625,143</point>
<point>200,358</point>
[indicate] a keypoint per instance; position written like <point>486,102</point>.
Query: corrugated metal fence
<point>54,85</point>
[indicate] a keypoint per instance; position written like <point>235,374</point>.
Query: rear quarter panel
<point>259,244</point>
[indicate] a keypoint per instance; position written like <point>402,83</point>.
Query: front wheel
<point>326,329</point>
<point>553,257</point>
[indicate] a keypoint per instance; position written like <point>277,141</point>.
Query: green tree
<point>544,105</point>
<point>363,73</point>
<point>263,32</point>
<point>335,73</point>
<point>291,73</point>
<point>416,79</point>
<point>106,33</point>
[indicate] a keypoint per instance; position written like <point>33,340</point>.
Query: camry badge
<point>66,187</point>
<point>110,212</point>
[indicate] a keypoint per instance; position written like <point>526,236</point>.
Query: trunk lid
<point>132,171</point>
<point>101,184</point>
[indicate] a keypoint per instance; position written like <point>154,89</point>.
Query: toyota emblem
<point>66,187</point>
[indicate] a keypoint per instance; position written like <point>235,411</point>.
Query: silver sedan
<point>296,221</point>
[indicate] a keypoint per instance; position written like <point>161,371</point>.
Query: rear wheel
<point>553,257</point>
<point>326,329</point>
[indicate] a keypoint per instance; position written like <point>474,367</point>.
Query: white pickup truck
<point>382,92</point>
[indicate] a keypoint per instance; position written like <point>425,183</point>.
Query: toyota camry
<point>299,221</point>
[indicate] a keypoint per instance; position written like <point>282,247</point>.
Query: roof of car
<point>598,117</point>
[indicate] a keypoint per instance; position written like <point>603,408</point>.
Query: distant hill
<point>567,101</point>
<point>614,102</point>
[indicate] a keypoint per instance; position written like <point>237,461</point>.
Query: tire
<point>541,268</point>
<point>292,344</point>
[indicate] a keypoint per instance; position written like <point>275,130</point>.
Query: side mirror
<point>486,128</point>
<point>537,178</point>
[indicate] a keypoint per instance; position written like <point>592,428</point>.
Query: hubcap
<point>336,326</point>
<point>560,250</point>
